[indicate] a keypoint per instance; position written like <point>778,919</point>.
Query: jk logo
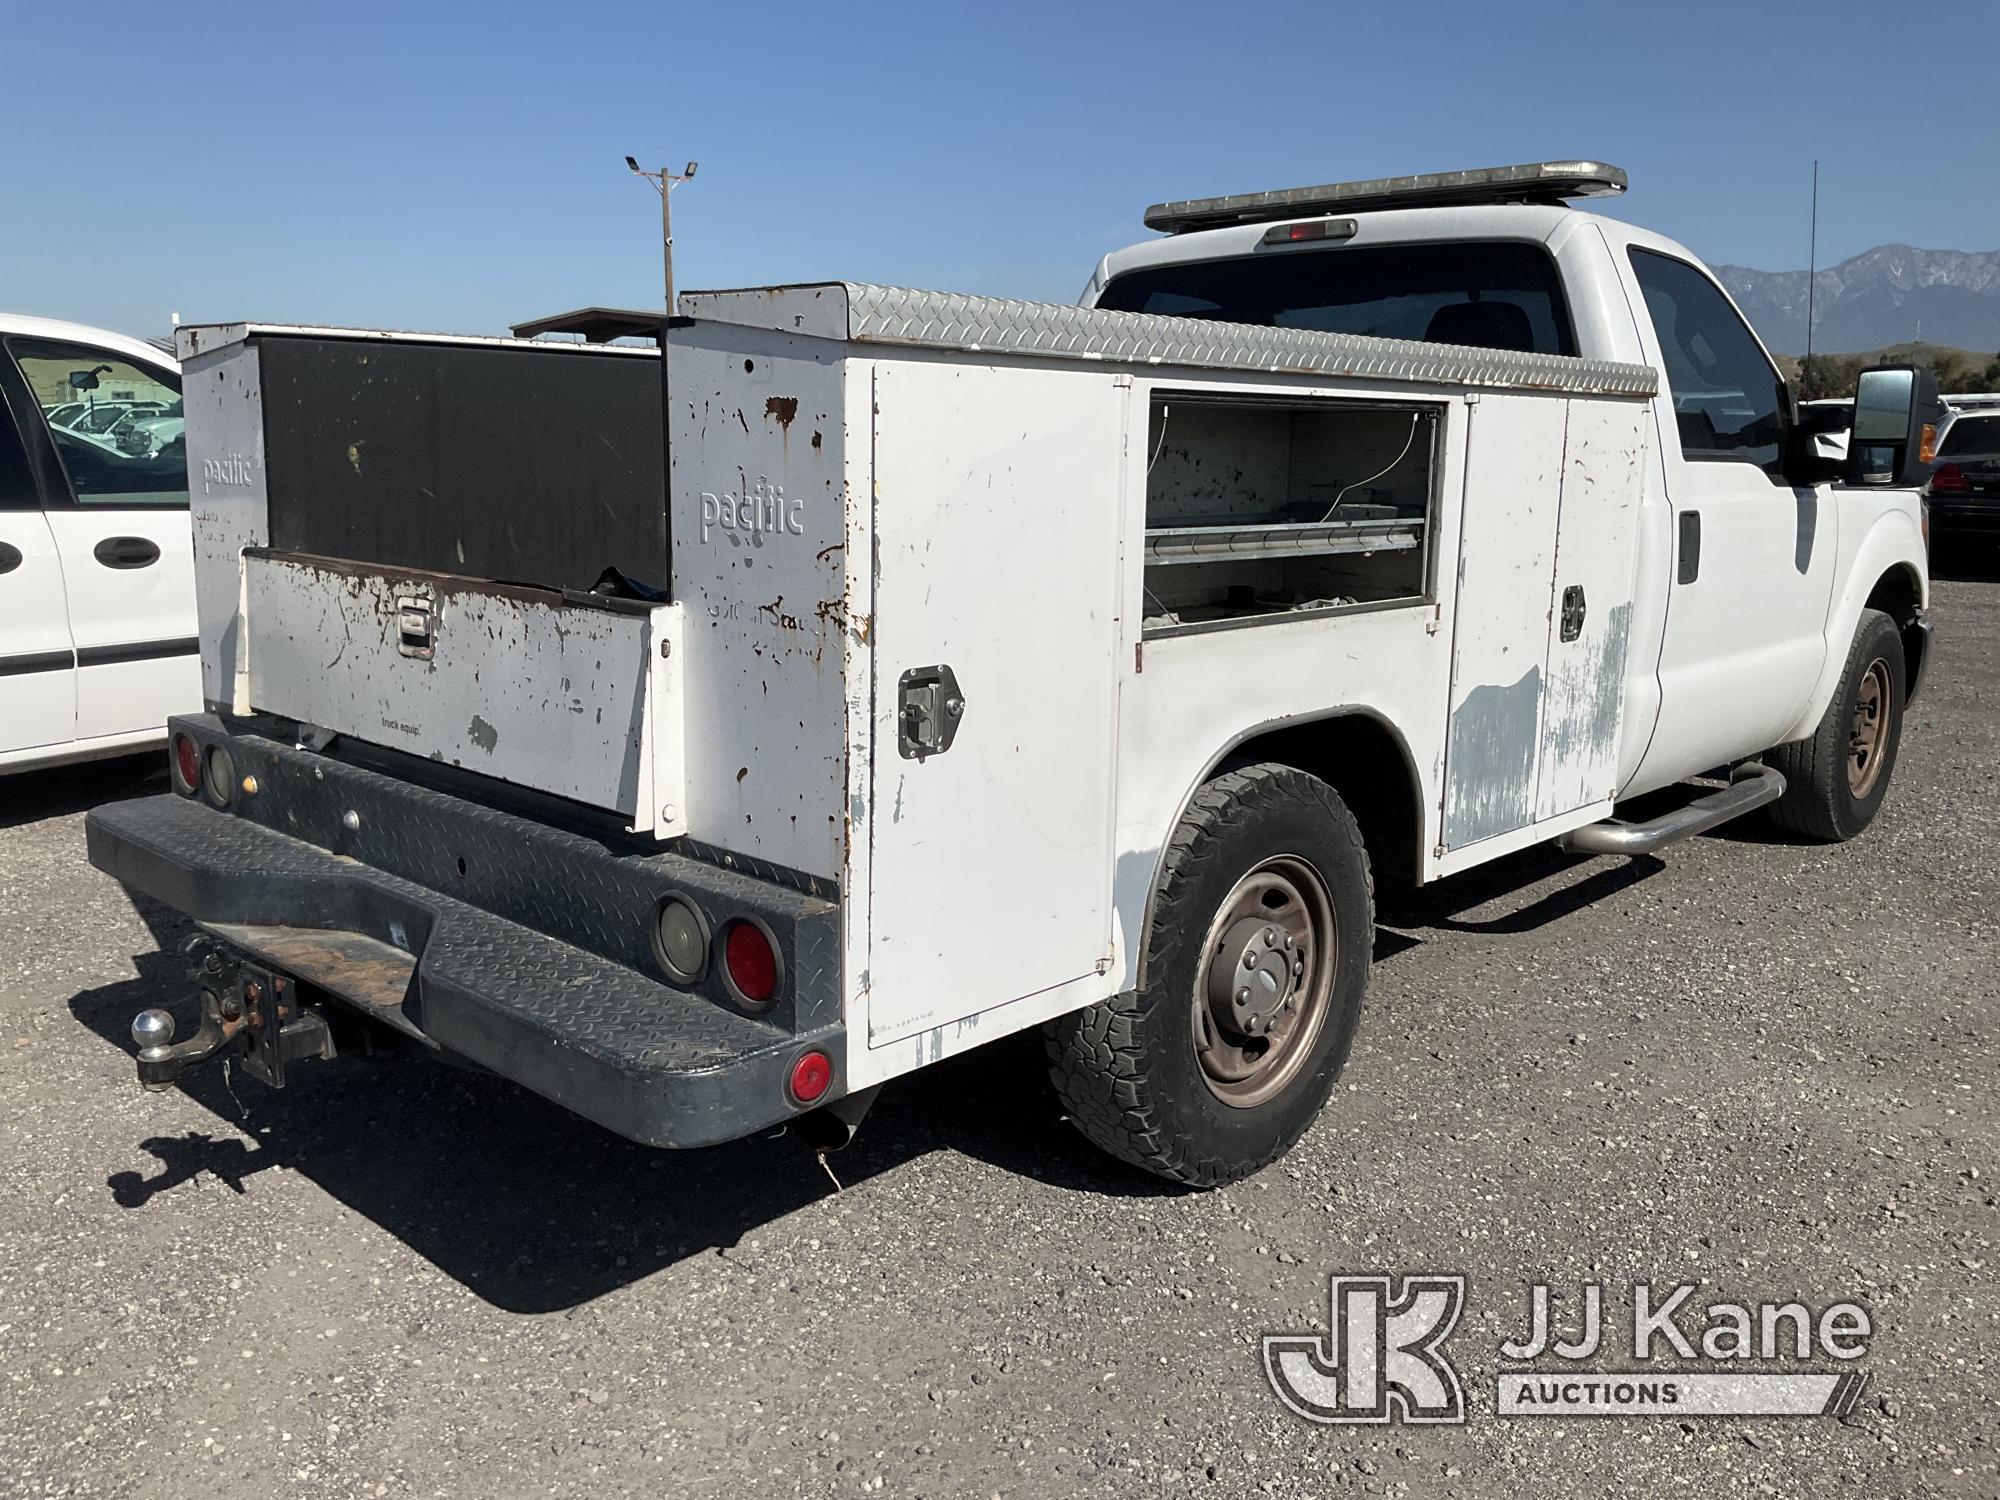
<point>1382,1358</point>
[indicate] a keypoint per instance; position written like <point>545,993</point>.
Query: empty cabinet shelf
<point>1194,544</point>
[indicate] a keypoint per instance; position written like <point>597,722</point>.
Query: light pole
<point>664,182</point>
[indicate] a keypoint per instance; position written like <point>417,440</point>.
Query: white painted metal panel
<point>1506,565</point>
<point>37,666</point>
<point>1604,459</point>
<point>222,394</point>
<point>520,684</point>
<point>144,614</point>
<point>777,621</point>
<point>997,544</point>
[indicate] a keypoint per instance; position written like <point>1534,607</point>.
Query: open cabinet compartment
<point>1261,508</point>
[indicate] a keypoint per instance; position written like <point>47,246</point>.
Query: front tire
<point>1836,780</point>
<point>1257,960</point>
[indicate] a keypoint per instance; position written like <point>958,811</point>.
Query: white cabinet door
<point>1500,616</point>
<point>991,873</point>
<point>1590,625</point>
<point>37,667</point>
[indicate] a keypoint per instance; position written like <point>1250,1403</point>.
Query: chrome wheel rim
<point>1868,733</point>
<point>1266,981</point>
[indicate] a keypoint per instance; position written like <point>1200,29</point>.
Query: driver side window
<point>1727,397</point>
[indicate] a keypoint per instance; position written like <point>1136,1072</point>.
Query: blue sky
<point>459,167</point>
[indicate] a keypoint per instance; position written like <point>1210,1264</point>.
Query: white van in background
<point>97,624</point>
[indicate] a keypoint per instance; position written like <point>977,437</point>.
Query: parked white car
<point>97,623</point>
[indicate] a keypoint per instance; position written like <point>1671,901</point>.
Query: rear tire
<point>1257,960</point>
<point>1836,780</point>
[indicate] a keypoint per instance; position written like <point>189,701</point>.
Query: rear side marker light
<point>750,962</point>
<point>812,1076</point>
<point>218,773</point>
<point>187,765</point>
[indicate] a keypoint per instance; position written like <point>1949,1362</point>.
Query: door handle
<point>10,557</point>
<point>1690,568</point>
<point>1573,608</point>
<point>126,552</point>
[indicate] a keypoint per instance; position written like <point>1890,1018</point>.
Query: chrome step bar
<point>1750,788</point>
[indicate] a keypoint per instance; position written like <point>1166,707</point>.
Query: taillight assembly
<point>1949,479</point>
<point>680,940</point>
<point>218,774</point>
<point>750,962</point>
<point>811,1077</point>
<point>187,765</point>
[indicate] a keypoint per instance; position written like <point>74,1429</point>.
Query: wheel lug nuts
<point>1270,937</point>
<point>1242,997</point>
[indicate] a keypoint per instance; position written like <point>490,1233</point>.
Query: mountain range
<point>1889,295</point>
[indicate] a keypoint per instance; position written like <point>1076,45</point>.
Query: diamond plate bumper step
<point>654,1063</point>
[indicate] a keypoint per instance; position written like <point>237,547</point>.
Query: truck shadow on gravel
<point>530,1207</point>
<point>63,791</point>
<point>1966,560</point>
<point>536,1211</point>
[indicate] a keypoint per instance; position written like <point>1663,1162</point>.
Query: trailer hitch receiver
<point>245,1009</point>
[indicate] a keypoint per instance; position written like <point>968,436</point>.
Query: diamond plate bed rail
<point>953,320</point>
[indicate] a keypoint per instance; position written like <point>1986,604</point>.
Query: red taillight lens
<point>752,966</point>
<point>812,1075</point>
<point>1949,479</point>
<point>187,764</point>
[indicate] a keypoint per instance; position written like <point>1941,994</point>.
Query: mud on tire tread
<point>1117,1065</point>
<point>1817,804</point>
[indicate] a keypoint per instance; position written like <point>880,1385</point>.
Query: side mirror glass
<point>1895,425</point>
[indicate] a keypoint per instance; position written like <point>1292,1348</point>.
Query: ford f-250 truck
<point>993,665</point>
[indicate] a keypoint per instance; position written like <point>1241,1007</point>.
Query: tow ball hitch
<point>246,1011</point>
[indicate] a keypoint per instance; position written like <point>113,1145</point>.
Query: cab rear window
<point>1971,435</point>
<point>1482,294</point>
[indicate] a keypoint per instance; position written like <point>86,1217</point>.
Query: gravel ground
<point>1760,1066</point>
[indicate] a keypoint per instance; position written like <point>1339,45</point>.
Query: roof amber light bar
<point>1530,182</point>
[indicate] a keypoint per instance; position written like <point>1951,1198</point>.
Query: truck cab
<point>1750,569</point>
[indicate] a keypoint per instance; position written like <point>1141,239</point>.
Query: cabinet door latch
<point>416,626</point>
<point>1572,613</point>
<point>928,709</point>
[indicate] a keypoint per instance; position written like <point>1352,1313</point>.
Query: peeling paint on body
<point>1586,695</point>
<point>1491,754</point>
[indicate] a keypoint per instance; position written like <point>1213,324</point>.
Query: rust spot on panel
<point>776,610</point>
<point>815,439</point>
<point>742,771</point>
<point>784,408</point>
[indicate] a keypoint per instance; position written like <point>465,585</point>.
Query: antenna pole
<point>1812,261</point>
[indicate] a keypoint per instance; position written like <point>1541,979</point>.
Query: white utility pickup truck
<point>992,665</point>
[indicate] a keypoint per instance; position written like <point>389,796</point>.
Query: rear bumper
<point>530,944</point>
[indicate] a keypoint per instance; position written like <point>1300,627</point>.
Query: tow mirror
<point>1895,426</point>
